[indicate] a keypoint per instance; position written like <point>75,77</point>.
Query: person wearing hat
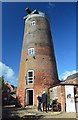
<point>44,100</point>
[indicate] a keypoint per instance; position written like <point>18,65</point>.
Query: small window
<point>31,51</point>
<point>30,77</point>
<point>55,92</point>
<point>32,23</point>
<point>30,74</point>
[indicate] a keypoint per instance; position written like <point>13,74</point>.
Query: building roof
<point>34,13</point>
<point>71,80</point>
<point>72,76</point>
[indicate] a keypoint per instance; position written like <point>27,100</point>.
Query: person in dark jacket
<point>44,100</point>
<point>39,103</point>
<point>50,104</point>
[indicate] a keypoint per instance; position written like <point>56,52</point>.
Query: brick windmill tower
<point>37,66</point>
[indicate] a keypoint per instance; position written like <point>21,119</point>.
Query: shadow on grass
<point>26,117</point>
<point>11,113</point>
<point>33,117</point>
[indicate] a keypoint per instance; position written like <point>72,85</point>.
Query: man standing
<point>44,100</point>
<point>39,103</point>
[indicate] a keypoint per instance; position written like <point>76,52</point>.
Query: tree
<point>4,86</point>
<point>48,96</point>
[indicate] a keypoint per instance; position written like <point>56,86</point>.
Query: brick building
<point>58,91</point>
<point>38,69</point>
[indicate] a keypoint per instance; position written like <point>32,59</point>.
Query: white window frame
<point>33,23</point>
<point>30,77</point>
<point>30,53</point>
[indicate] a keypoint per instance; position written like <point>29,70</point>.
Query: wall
<point>61,91</point>
<point>43,62</point>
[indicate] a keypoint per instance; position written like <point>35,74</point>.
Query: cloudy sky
<point>63,28</point>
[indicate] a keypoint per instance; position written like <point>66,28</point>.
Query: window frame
<point>32,81</point>
<point>33,23</point>
<point>30,51</point>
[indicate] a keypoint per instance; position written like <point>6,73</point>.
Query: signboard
<point>70,102</point>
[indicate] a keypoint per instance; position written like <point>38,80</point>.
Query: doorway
<point>29,96</point>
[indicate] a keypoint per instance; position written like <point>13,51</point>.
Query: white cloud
<point>51,4</point>
<point>67,73</point>
<point>8,73</point>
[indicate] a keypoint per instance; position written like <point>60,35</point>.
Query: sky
<point>63,28</point>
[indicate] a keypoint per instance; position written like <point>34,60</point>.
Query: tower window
<point>31,51</point>
<point>30,76</point>
<point>32,23</point>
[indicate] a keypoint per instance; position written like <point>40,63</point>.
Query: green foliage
<point>0,80</point>
<point>4,86</point>
<point>14,92</point>
<point>48,96</point>
<point>0,85</point>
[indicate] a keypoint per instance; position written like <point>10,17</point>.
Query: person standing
<point>44,100</point>
<point>39,102</point>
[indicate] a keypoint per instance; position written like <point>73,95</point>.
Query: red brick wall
<point>61,96</point>
<point>71,81</point>
<point>61,93</point>
<point>43,63</point>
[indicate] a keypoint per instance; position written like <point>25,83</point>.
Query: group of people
<point>42,100</point>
